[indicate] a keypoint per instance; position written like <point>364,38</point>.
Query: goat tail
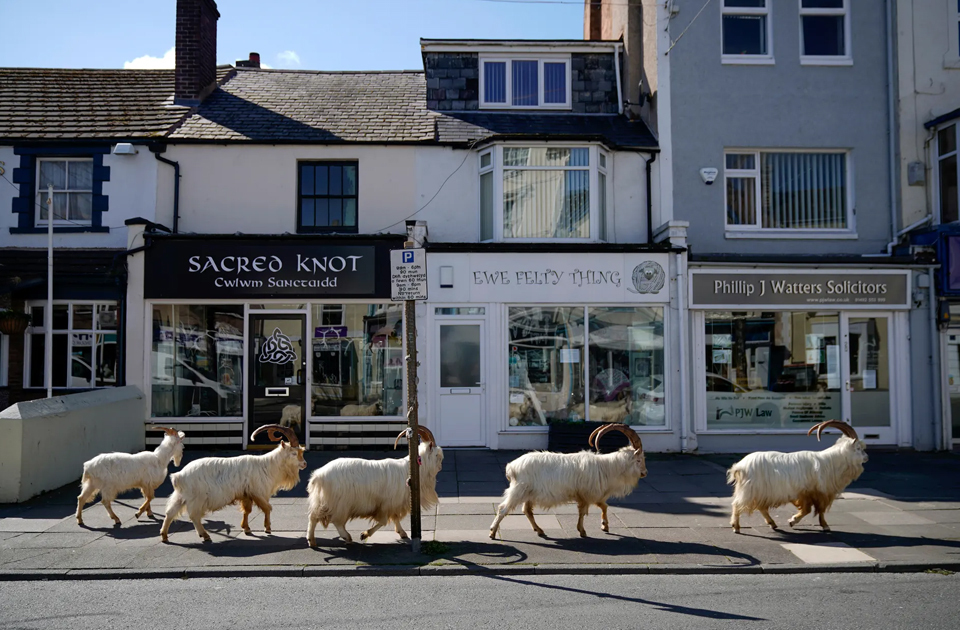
<point>317,506</point>
<point>734,475</point>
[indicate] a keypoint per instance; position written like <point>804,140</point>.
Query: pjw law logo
<point>763,412</point>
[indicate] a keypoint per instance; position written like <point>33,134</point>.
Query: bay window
<point>543,193</point>
<point>787,191</point>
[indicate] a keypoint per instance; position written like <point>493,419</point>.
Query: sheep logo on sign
<point>648,277</point>
<point>277,349</point>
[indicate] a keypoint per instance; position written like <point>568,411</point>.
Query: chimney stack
<point>253,62</point>
<point>196,73</point>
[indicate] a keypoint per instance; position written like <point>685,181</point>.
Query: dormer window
<point>511,82</point>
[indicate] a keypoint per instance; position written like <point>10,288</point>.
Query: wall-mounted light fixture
<point>446,277</point>
<point>124,148</point>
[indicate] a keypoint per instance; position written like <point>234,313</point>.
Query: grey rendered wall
<point>925,425</point>
<point>783,105</point>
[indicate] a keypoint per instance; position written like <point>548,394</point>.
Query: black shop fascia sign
<point>211,267</point>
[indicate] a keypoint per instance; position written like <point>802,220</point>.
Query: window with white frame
<point>85,345</point>
<point>543,193</point>
<point>528,82</point>
<point>72,181</point>
<point>947,174</point>
<point>746,31</point>
<point>824,31</point>
<point>787,190</point>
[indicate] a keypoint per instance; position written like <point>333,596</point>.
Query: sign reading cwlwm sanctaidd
<point>408,274</point>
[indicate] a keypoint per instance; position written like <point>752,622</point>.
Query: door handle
<point>276,391</point>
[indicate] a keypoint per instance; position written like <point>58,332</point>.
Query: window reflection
<point>357,359</point>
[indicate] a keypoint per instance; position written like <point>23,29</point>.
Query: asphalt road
<point>848,601</point>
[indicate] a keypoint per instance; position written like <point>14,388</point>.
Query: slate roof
<point>63,104</point>
<point>272,106</point>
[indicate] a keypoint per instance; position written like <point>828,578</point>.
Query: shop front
<point>520,342</point>
<point>243,332</point>
<point>777,350</point>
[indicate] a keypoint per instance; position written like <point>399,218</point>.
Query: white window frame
<point>756,230</point>
<point>508,62</point>
<point>41,195</point>
<point>937,201</point>
<point>69,331</point>
<point>498,168</point>
<point>951,58</point>
<point>845,59</point>
<point>483,170</point>
<point>766,11</point>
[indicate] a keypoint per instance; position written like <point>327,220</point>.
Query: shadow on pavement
<point>618,546</point>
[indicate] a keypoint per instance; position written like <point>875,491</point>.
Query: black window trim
<point>340,229</point>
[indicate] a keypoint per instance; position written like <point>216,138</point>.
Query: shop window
<point>197,360</point>
<point>824,31</point>
<point>528,83</point>
<point>947,173</point>
<point>746,31</point>
<point>772,370</point>
<point>357,362</point>
<point>543,193</point>
<point>85,345</point>
<point>327,194</point>
<point>570,364</point>
<point>768,191</point>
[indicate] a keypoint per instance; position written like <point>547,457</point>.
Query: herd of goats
<point>377,490</point>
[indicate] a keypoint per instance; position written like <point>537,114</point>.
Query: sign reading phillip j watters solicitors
<point>813,289</point>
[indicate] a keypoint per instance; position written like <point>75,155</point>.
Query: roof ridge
<point>305,71</point>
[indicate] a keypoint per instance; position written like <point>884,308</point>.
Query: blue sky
<point>312,34</point>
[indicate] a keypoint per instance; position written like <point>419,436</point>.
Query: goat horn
<point>630,433</point>
<point>166,430</point>
<point>593,435</point>
<point>276,433</point>
<point>843,427</point>
<point>422,431</point>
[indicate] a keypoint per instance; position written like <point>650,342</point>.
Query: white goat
<point>807,479</point>
<point>349,488</point>
<point>113,473</point>
<point>545,480</point>
<point>290,416</point>
<point>614,413</point>
<point>211,483</point>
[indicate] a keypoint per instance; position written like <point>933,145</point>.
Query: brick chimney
<point>196,73</point>
<point>252,62</point>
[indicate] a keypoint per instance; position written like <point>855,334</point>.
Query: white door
<point>460,383</point>
<point>867,358</point>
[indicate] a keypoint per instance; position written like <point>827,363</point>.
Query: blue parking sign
<point>407,257</point>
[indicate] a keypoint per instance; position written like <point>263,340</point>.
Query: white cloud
<point>288,58</point>
<point>167,61</point>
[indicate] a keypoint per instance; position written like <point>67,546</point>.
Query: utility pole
<point>48,315</point>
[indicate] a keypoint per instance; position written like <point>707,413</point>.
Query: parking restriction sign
<point>408,274</point>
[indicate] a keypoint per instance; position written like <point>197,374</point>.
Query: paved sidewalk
<point>902,515</point>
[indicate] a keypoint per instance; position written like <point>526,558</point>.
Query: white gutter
<point>938,431</point>
<point>684,362</point>
<point>616,64</point>
<point>892,131</point>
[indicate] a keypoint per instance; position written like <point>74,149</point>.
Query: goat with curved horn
<point>277,432</point>
<point>545,480</point>
<point>810,480</point>
<point>423,432</point>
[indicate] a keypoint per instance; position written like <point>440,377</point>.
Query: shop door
<point>460,360</point>
<point>277,373</point>
<point>868,363</point>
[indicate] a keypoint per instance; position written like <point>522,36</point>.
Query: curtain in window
<point>803,190</point>
<point>554,83</point>
<point>546,204</point>
<point>495,81</point>
<point>525,83</point>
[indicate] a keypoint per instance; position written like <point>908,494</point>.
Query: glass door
<point>278,372</point>
<point>868,363</point>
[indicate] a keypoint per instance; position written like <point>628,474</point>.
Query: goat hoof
<point>364,536</point>
<point>312,544</point>
<point>583,534</point>
<point>207,540</point>
<point>247,532</point>
<point>736,530</point>
<point>164,540</point>
<point>268,531</point>
<point>826,529</point>
<point>493,535</point>
<point>605,528</point>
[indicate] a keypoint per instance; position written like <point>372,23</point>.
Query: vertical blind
<point>803,190</point>
<point>525,84</point>
<point>554,82</point>
<point>495,82</point>
<point>551,200</point>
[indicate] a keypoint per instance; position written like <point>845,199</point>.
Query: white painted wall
<point>929,86</point>
<point>253,189</point>
<point>132,190</point>
<point>47,441</point>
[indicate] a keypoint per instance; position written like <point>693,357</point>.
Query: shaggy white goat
<point>113,473</point>
<point>543,479</point>
<point>290,416</point>
<point>807,479</point>
<point>373,409</point>
<point>211,483</point>
<point>349,488</point>
<point>613,413</point>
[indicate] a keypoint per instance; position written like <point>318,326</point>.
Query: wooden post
<point>413,422</point>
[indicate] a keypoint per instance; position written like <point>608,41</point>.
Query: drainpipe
<point>176,184</point>
<point>653,158</point>
<point>892,126</point>
<point>684,359</point>
<point>937,379</point>
<point>616,65</point>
